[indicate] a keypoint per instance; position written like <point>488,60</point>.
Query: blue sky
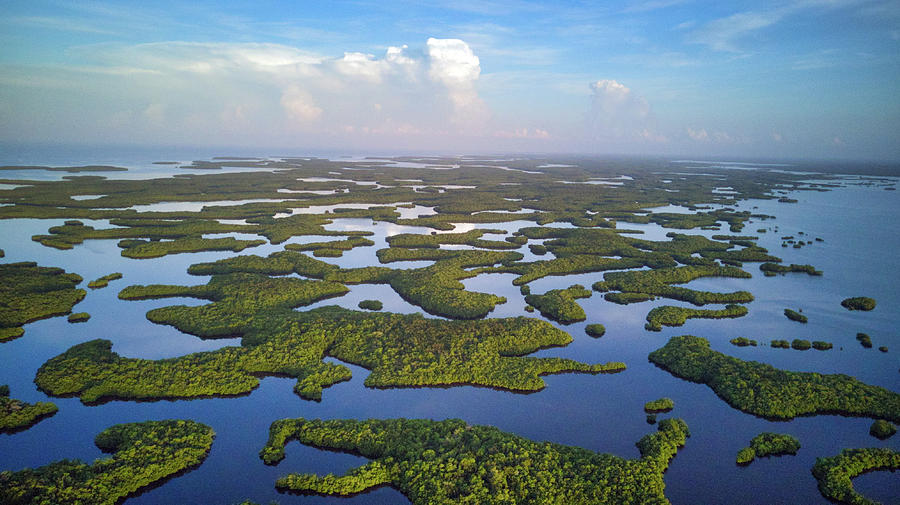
<point>807,79</point>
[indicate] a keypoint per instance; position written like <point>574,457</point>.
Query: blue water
<point>602,413</point>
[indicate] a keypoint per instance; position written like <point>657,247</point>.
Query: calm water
<point>602,413</point>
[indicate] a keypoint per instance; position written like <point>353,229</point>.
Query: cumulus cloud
<point>699,135</point>
<point>617,112</point>
<point>299,105</point>
<point>523,133</point>
<point>268,92</point>
<point>453,64</point>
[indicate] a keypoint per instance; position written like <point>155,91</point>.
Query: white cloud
<point>722,34</point>
<point>453,64</point>
<point>699,135</point>
<point>155,113</point>
<point>361,65</point>
<point>299,105</point>
<point>271,91</point>
<point>616,111</point>
<point>523,133</point>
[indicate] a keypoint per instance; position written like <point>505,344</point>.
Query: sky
<point>813,79</point>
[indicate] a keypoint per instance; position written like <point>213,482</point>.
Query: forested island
<point>461,268</point>
<point>452,462</point>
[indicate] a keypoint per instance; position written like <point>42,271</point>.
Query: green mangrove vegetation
<point>595,330</point>
<point>79,317</point>
<point>142,454</point>
<point>793,315</point>
<point>435,288</point>
<point>448,462</point>
<point>772,269</point>
<point>668,315</point>
<point>334,248</point>
<point>400,350</point>
<point>780,344</point>
<point>743,342</point>
<point>858,303</point>
<point>763,390</point>
<point>864,340</point>
<point>820,345</point>
<point>16,415</point>
<point>659,405</point>
<point>471,238</point>
<point>159,248</point>
<point>248,298</point>
<point>800,344</point>
<point>560,305</point>
<point>882,429</point>
<point>29,292</point>
<point>104,281</point>
<point>834,473</point>
<point>370,305</point>
<point>768,444</point>
<point>644,284</point>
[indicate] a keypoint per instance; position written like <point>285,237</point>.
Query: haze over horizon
<point>797,79</point>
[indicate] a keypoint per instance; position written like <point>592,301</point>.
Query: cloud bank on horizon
<point>805,78</point>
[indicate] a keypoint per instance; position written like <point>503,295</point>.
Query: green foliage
<point>102,282</point>
<point>29,292</point>
<point>472,238</point>
<point>450,462</point>
<point>772,269</point>
<point>858,303</point>
<point>560,305</point>
<point>79,317</point>
<point>780,344</point>
<point>435,288</point>
<point>764,390</point>
<point>676,316</point>
<point>568,265</point>
<point>370,305</point>
<point>392,254</point>
<point>143,454</point>
<point>400,350</point>
<point>17,415</point>
<point>334,248</point>
<point>750,254</point>
<point>156,249</point>
<point>768,444</point>
<point>745,456</point>
<point>187,233</point>
<point>800,345</point>
<point>864,340</point>
<point>644,284</point>
<point>595,330</point>
<point>834,473</point>
<point>793,315</point>
<point>659,405</point>
<point>882,429</point>
<point>743,342</point>
<point>821,346</point>
<point>626,298</point>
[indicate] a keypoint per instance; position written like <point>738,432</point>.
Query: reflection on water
<point>601,413</point>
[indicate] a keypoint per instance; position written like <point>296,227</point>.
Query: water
<point>602,413</point>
